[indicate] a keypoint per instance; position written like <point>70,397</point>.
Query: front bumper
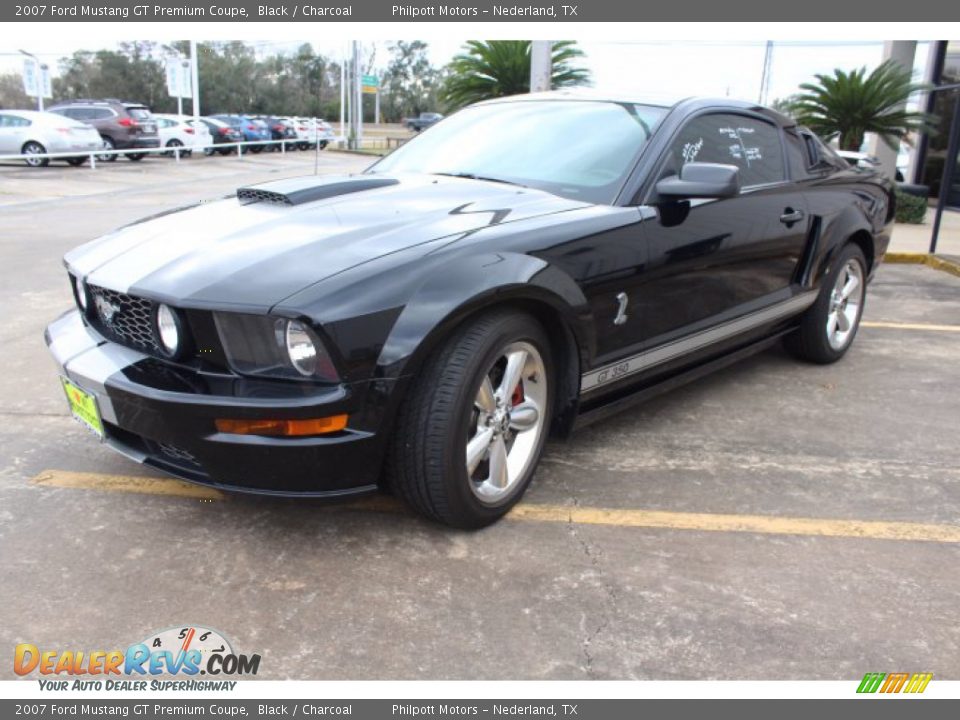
<point>163,416</point>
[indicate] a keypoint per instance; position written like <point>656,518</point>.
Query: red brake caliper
<point>517,396</point>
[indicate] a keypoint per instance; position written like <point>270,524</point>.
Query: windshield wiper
<point>474,176</point>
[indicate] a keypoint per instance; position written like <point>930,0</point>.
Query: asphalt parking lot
<point>773,521</point>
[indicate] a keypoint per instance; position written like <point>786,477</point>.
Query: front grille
<point>125,319</point>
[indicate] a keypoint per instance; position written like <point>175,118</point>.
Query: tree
<point>495,68</point>
<point>131,73</point>
<point>410,83</point>
<point>12,96</point>
<point>848,105</point>
<point>787,105</point>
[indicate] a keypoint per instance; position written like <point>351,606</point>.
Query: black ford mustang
<point>527,265</point>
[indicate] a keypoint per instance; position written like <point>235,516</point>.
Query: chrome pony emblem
<point>622,301</point>
<point>106,309</point>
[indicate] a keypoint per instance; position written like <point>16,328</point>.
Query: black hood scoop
<point>296,191</point>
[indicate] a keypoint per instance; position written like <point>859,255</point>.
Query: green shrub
<point>910,208</point>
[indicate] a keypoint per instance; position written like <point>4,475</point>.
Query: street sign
<point>370,83</point>
<point>36,79</point>
<point>179,78</point>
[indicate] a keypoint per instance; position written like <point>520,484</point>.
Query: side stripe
<point>659,355</point>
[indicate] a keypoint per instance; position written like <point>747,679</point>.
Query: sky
<point>671,68</point>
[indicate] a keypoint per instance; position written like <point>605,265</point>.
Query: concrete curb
<point>937,263</point>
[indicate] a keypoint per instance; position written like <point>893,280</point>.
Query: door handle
<point>790,216</point>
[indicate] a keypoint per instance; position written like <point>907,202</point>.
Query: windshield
<point>575,149</point>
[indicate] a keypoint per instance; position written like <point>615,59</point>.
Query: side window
<point>100,113</point>
<point>797,152</point>
<point>5,120</point>
<point>750,144</point>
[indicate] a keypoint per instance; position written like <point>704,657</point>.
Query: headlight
<point>81,293</point>
<point>168,329</point>
<point>301,348</point>
<point>266,346</point>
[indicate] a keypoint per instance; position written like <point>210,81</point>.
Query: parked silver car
<point>33,134</point>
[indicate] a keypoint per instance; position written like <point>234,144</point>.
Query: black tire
<point>108,144</point>
<point>323,144</point>
<point>173,144</point>
<point>812,340</point>
<point>76,162</point>
<point>426,466</point>
<point>256,149</point>
<point>30,150</point>
<point>136,157</point>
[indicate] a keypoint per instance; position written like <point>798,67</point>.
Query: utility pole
<point>765,77</point>
<point>541,65</point>
<point>356,129</point>
<point>195,79</point>
<point>343,95</point>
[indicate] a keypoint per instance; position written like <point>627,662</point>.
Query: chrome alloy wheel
<point>31,151</point>
<point>506,422</point>
<point>845,301</point>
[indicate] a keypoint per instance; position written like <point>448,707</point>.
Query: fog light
<point>168,328</point>
<point>287,428</point>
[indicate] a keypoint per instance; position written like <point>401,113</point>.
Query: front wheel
<point>136,157</point>
<point>31,152</point>
<point>474,423</point>
<point>828,327</point>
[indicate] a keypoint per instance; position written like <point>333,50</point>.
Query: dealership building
<point>932,150</point>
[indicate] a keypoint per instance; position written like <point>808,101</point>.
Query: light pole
<point>541,61</point>
<point>39,78</point>
<point>195,79</point>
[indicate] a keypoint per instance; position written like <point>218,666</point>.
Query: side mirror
<point>701,180</point>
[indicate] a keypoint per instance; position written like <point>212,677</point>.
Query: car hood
<point>275,239</point>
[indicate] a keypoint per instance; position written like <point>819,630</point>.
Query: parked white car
<point>182,131</point>
<point>33,134</point>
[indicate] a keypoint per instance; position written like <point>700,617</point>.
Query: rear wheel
<point>828,328</point>
<point>77,161</point>
<point>472,428</point>
<point>31,152</point>
<point>136,157</point>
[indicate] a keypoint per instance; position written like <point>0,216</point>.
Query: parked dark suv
<point>122,125</point>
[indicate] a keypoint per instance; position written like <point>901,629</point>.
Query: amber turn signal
<point>288,428</point>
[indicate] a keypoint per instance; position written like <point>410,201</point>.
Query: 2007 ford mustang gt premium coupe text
<point>525,266</point>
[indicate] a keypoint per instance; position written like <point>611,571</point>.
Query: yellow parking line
<point>911,326</point>
<point>766,524</point>
<point>126,483</point>
<point>636,518</point>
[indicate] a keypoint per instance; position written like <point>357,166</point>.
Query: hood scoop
<point>296,191</point>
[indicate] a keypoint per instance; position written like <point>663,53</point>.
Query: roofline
<point>685,105</point>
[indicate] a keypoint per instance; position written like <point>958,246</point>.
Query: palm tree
<point>847,105</point>
<point>494,68</point>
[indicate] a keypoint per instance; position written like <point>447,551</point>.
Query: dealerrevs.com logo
<point>180,651</point>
